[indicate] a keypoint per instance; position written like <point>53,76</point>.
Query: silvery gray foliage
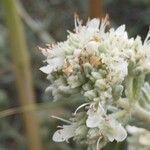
<point>104,67</point>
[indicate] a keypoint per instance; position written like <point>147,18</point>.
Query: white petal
<point>64,134</point>
<point>52,65</point>
<point>93,122</point>
<point>46,69</point>
<point>56,61</point>
<point>121,133</point>
<point>94,23</point>
<point>59,136</point>
<point>120,31</point>
<point>94,117</point>
<point>114,130</point>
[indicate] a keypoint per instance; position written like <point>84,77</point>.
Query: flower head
<point>95,64</point>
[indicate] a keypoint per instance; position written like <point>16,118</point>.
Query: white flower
<point>113,130</point>
<point>55,58</point>
<point>95,116</point>
<point>53,64</point>
<point>67,132</point>
<point>94,64</point>
<point>84,34</point>
<point>120,31</point>
<point>94,23</point>
<point>108,126</point>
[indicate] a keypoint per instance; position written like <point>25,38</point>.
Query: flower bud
<point>90,94</point>
<point>117,91</point>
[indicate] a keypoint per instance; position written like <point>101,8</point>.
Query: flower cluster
<point>95,64</point>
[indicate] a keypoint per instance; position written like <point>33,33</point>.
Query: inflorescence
<point>98,65</point>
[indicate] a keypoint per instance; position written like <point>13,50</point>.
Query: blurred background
<point>25,108</point>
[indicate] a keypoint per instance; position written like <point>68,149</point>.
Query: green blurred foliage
<point>55,17</point>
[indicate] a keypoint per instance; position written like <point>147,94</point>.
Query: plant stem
<point>22,72</point>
